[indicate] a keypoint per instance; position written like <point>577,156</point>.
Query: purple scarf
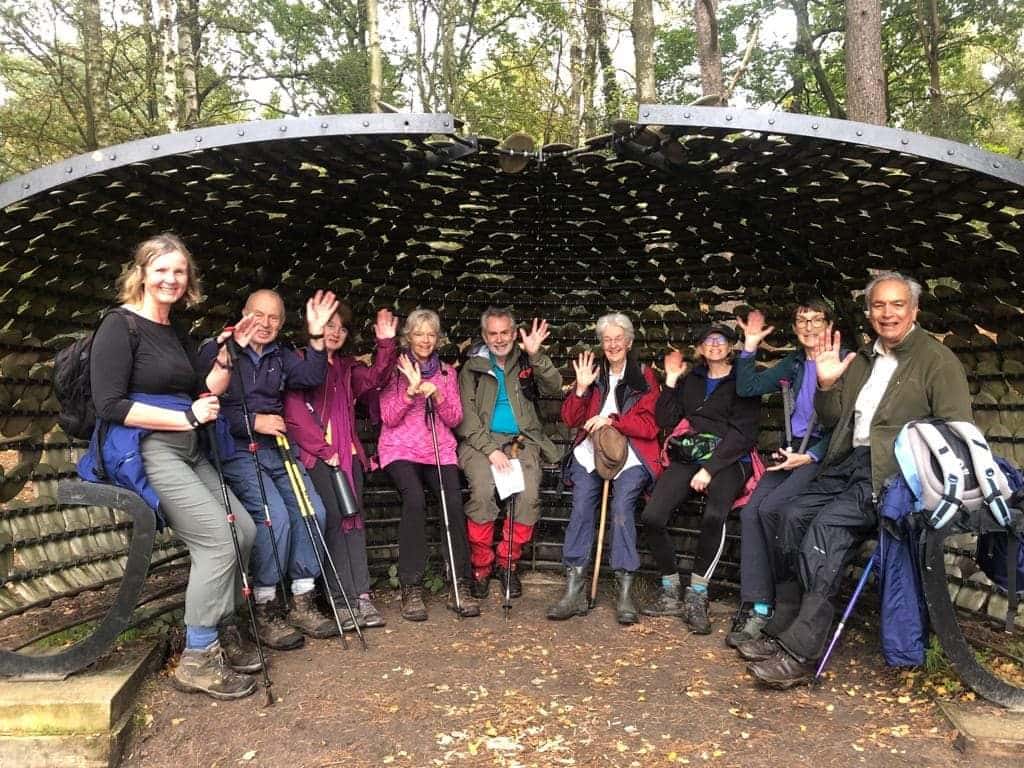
<point>428,369</point>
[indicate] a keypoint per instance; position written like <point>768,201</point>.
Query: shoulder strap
<point>940,506</point>
<point>994,487</point>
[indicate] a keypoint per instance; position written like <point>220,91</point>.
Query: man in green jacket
<point>865,399</point>
<point>499,384</point>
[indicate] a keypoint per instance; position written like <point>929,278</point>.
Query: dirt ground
<point>531,692</point>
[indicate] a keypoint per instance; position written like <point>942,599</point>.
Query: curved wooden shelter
<point>676,220</point>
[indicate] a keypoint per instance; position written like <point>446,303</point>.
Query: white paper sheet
<point>510,481</point>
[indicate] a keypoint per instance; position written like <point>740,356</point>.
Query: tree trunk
<point>152,55</point>
<point>188,45</point>
<point>590,115</point>
<point>426,96</point>
<point>376,71</point>
<point>929,26</point>
<point>449,76</point>
<point>642,28</point>
<point>805,47</point>
<point>576,69</point>
<point>865,74</point>
<point>169,67</point>
<point>92,48</point>
<point>709,53</point>
<point>609,83</point>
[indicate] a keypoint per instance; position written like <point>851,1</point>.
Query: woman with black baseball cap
<point>713,431</point>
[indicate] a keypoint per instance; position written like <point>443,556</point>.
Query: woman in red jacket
<point>620,393</point>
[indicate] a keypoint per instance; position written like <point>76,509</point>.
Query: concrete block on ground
<point>81,721</point>
<point>984,729</point>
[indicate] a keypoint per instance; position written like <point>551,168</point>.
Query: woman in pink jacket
<point>322,423</point>
<point>406,452</point>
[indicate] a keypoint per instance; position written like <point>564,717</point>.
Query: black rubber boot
<point>625,609</point>
<point>574,601</point>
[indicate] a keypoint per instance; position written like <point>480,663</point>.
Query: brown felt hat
<point>517,142</point>
<point>610,451</point>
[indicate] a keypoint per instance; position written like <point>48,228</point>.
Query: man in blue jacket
<point>865,398</point>
<point>265,370</point>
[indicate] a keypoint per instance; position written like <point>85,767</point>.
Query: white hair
<point>912,285</point>
<point>617,319</point>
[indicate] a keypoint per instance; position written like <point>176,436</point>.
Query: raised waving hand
<point>827,361</point>
<point>754,330</point>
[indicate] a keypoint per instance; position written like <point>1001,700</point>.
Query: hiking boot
<point>750,629</point>
<point>625,609</point>
<point>238,648</point>
<point>695,606</point>
<point>574,601</point>
<point>782,671</point>
<point>273,630</point>
<point>758,649</point>
<point>514,586</point>
<point>369,613</point>
<point>480,588</point>
<point>470,606</point>
<point>305,616</point>
<point>667,604</point>
<point>413,607</point>
<point>205,670</point>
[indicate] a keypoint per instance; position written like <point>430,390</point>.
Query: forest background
<point>77,75</point>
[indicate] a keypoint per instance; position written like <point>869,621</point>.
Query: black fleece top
<point>724,414</point>
<point>164,363</point>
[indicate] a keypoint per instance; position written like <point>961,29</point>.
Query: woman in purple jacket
<point>406,451</point>
<point>322,423</point>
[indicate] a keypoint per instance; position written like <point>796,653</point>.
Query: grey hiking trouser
<point>192,502</point>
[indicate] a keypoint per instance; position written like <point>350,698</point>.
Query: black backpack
<point>71,382</point>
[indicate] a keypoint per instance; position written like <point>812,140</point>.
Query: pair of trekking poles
<point>307,513</point>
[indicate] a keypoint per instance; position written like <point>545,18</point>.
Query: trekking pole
<point>846,614</point>
<point>807,435</point>
<point>600,542</point>
<point>787,410</point>
<point>239,563</point>
<point>253,448</point>
<point>510,518</point>
<point>432,422</point>
<point>308,515</point>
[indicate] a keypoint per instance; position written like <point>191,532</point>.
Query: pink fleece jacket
<point>404,432</point>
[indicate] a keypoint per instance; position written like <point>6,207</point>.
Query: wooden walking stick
<point>600,542</point>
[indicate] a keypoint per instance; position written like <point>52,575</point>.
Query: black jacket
<point>733,418</point>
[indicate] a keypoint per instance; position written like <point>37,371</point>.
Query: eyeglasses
<point>715,340</point>
<point>817,323</point>
<point>613,342</point>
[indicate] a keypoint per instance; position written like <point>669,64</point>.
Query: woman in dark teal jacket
<point>766,537</point>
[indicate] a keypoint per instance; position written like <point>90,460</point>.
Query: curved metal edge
<point>831,129</point>
<point>197,139</point>
<point>83,653</point>
<point>946,626</point>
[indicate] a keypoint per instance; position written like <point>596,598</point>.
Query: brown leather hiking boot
<point>205,670</point>
<point>305,616</point>
<point>413,607</point>
<point>274,630</point>
<point>239,649</point>
<point>468,605</point>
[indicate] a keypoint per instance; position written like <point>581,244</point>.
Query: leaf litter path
<point>531,692</point>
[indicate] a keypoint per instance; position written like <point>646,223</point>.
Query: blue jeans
<point>298,558</point>
<point>586,505</point>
